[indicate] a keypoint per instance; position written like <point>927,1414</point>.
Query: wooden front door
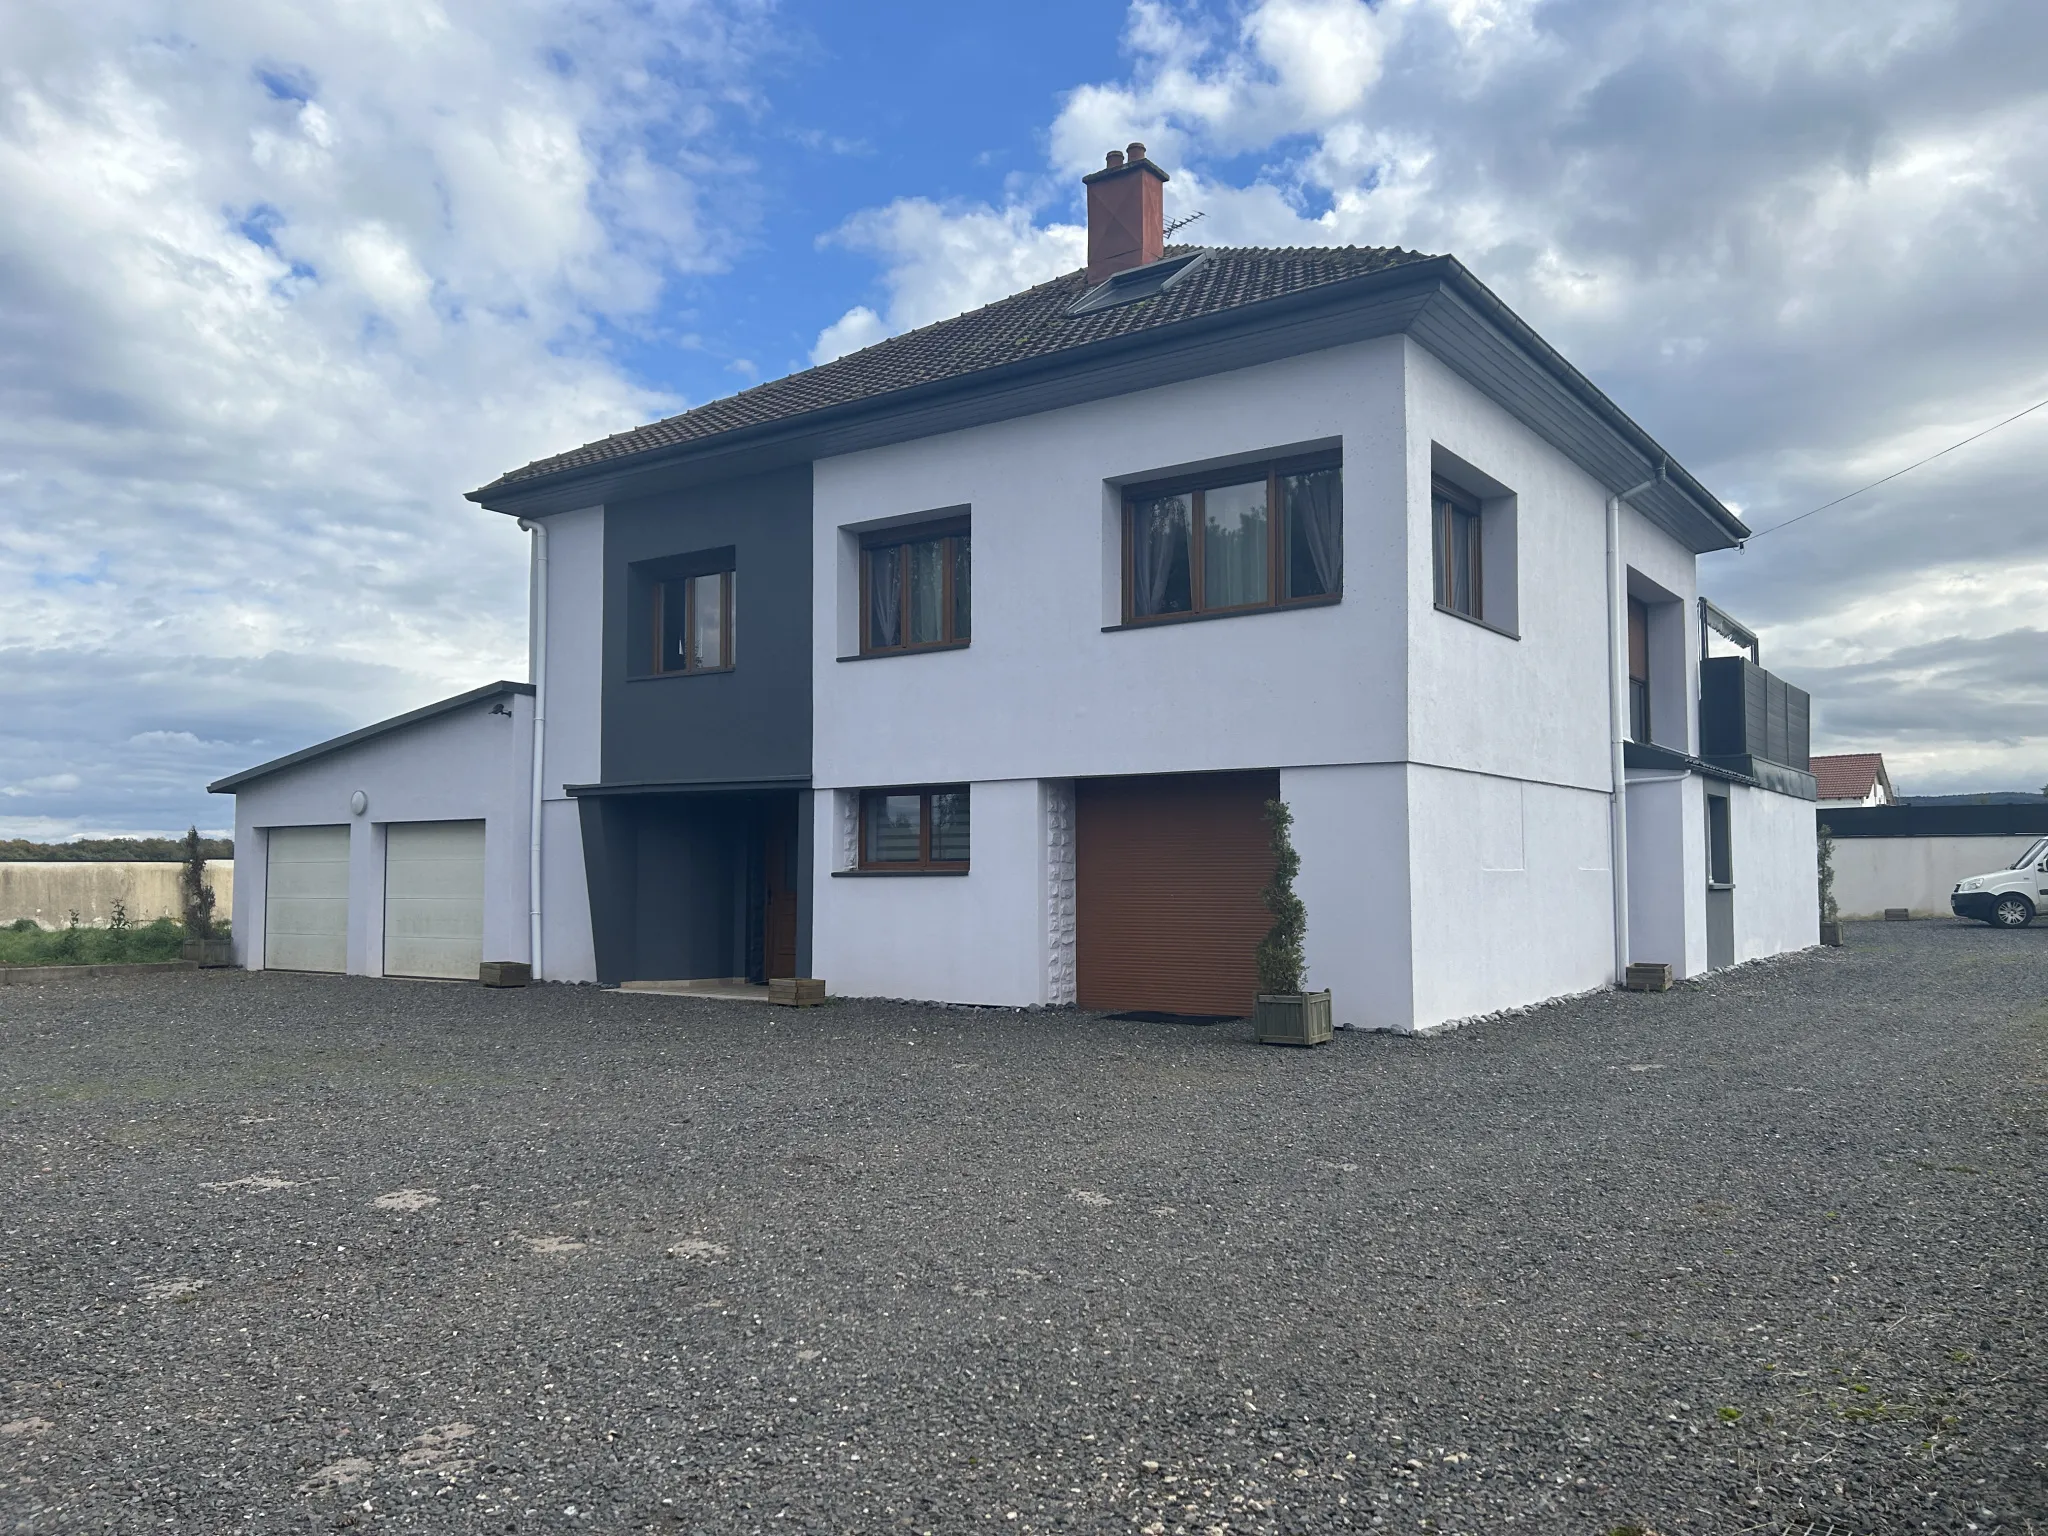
<point>1169,880</point>
<point>779,921</point>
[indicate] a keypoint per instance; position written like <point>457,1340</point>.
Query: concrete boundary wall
<point>1917,873</point>
<point>50,892</point>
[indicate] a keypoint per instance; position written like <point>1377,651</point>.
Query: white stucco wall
<point>980,937</point>
<point>1043,692</point>
<point>1511,891</point>
<point>1667,872</point>
<point>571,753</point>
<point>1351,830</point>
<point>1777,886</point>
<point>463,766</point>
<point>1918,873</point>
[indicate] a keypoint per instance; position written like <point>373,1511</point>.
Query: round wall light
<point>358,803</point>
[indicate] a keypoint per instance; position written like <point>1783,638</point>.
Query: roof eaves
<point>381,728</point>
<point>506,493</point>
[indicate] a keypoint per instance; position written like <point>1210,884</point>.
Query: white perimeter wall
<point>1918,873</point>
<point>570,752</point>
<point>1351,830</point>
<point>1777,879</point>
<point>462,766</point>
<point>981,937</point>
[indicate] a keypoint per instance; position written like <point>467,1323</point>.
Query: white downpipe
<point>1617,721</point>
<point>537,674</point>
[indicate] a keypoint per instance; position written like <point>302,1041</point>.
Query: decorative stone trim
<point>1057,797</point>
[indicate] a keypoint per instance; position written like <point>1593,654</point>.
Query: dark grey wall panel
<point>610,872</point>
<point>690,872</point>
<point>1936,820</point>
<point>747,724</point>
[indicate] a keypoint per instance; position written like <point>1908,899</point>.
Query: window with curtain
<point>693,623</point>
<point>1460,581</point>
<point>1263,536</point>
<point>916,589</point>
<point>906,830</point>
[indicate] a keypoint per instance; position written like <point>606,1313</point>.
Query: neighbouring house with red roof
<point>1854,778</point>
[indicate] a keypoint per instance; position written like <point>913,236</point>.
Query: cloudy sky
<point>279,282</point>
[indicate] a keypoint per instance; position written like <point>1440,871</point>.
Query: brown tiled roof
<point>1847,775</point>
<point>1026,325</point>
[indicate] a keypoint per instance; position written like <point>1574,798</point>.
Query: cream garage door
<point>434,898</point>
<point>305,899</point>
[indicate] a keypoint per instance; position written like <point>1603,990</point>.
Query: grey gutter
<point>383,727</point>
<point>1410,284</point>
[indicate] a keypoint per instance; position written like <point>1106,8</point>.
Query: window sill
<point>890,874</point>
<point>1165,621</point>
<point>669,677</point>
<point>1498,629</point>
<point>1720,885</point>
<point>908,650</point>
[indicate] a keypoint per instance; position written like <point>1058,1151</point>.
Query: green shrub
<point>1281,962</point>
<point>75,944</point>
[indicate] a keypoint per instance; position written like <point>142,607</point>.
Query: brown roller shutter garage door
<point>1167,882</point>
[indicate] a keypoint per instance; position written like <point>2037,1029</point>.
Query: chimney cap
<point>1135,152</point>
<point>1113,161</point>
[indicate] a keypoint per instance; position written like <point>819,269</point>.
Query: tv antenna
<point>1181,223</point>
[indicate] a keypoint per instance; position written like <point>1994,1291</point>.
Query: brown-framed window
<point>1262,536</point>
<point>1460,579</point>
<point>916,589</point>
<point>693,623</point>
<point>921,828</point>
<point>1638,670</point>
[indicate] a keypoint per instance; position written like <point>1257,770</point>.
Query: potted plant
<point>1830,914</point>
<point>1284,1013</point>
<point>202,945</point>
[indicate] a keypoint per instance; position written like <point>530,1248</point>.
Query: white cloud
<point>858,327</point>
<point>277,285</point>
<point>1798,243</point>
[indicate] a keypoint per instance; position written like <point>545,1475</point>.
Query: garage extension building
<point>961,667</point>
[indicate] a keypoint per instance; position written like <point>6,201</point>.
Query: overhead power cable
<point>1951,448</point>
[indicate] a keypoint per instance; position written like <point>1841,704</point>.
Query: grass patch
<point>121,943</point>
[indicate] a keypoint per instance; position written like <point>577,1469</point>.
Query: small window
<point>1460,579</point>
<point>1638,670</point>
<point>693,623</point>
<point>916,590</point>
<point>1262,537</point>
<point>1720,845</point>
<point>909,829</point>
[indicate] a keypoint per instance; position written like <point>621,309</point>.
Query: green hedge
<point>110,850</point>
<point>23,943</point>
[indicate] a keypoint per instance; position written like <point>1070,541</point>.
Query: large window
<point>1265,536</point>
<point>1460,576</point>
<point>914,829</point>
<point>1638,670</point>
<point>916,589</point>
<point>693,623</point>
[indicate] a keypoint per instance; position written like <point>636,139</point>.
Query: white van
<point>2008,898</point>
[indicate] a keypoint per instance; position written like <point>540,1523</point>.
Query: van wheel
<point>2012,912</point>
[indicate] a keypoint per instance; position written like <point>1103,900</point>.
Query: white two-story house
<point>962,667</point>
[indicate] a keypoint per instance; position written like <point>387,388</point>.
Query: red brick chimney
<point>1126,213</point>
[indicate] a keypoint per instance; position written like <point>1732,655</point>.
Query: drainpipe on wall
<point>537,674</point>
<point>1617,719</point>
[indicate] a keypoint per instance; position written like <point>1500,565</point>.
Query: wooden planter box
<point>796,991</point>
<point>504,973</point>
<point>1648,976</point>
<point>1297,1018</point>
<point>1831,935</point>
<point>209,952</point>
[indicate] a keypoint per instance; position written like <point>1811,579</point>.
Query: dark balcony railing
<point>1751,721</point>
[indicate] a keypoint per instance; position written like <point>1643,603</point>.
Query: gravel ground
<point>1760,1254</point>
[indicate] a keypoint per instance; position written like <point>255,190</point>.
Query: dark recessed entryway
<point>1169,876</point>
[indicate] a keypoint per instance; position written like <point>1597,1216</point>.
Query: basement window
<point>905,831</point>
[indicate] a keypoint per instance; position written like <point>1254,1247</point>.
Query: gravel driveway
<point>298,1253</point>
